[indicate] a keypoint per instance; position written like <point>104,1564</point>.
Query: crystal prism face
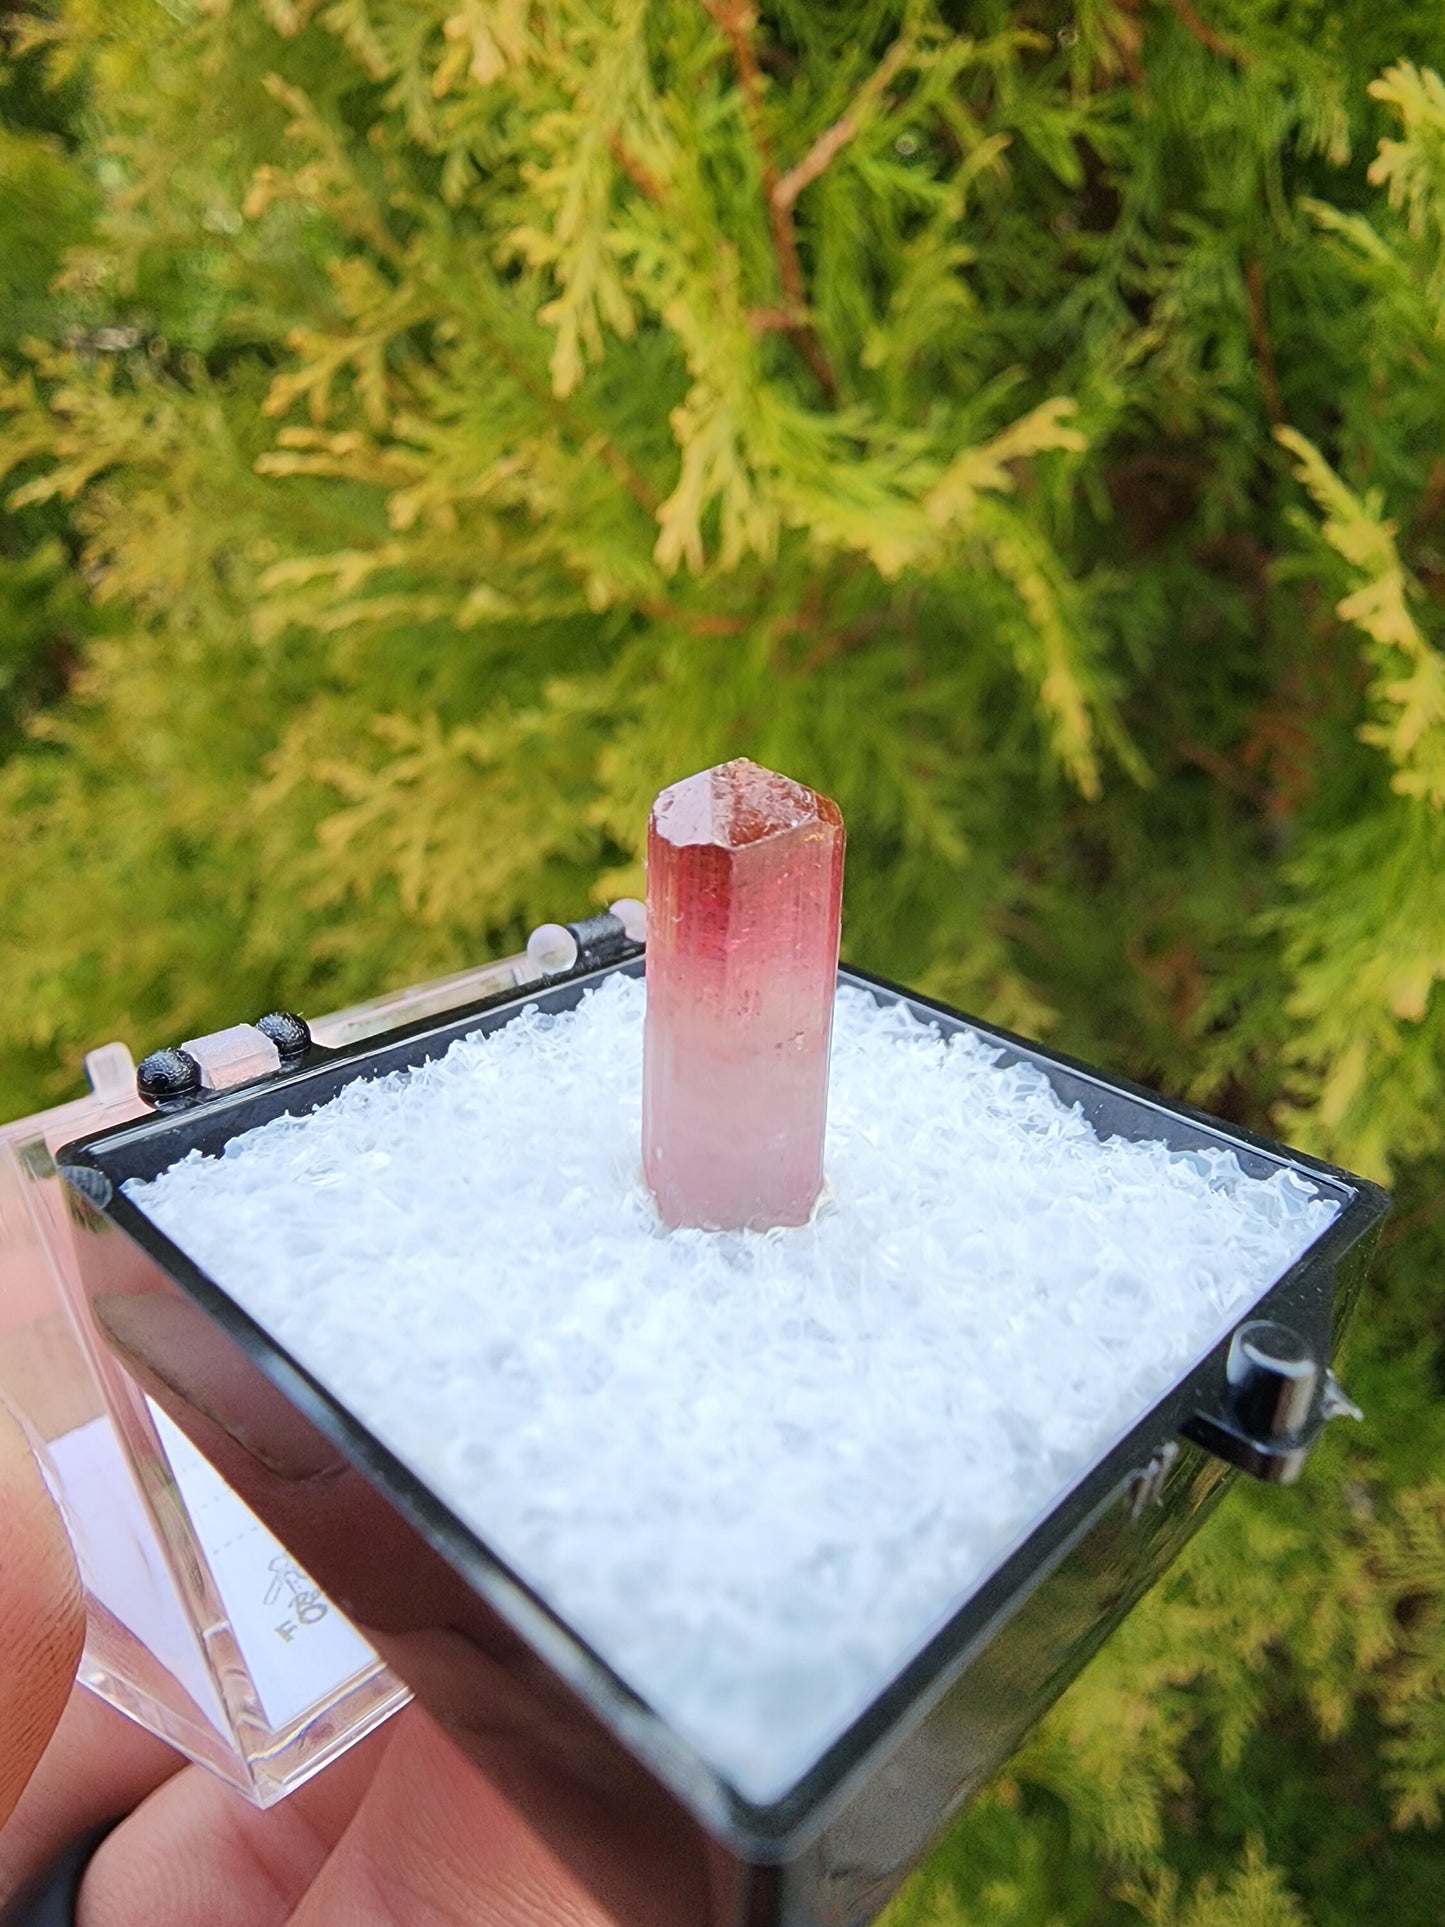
<point>744,898</point>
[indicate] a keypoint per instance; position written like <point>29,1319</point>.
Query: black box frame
<point>652,1828</point>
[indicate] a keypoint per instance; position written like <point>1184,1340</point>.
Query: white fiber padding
<point>753,1470</point>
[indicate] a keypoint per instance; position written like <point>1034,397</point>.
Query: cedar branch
<point>820,155</point>
<point>736,20</point>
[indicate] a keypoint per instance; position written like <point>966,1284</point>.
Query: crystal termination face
<point>744,898</point>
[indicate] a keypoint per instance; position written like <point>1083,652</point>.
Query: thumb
<point>42,1621</point>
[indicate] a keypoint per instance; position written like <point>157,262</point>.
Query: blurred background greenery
<point>429,426</point>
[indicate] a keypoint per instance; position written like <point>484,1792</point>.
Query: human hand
<point>401,1832</point>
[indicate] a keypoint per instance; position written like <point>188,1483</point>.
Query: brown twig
<point>1175,973</point>
<point>1206,36</point>
<point>637,486</point>
<point>645,182</point>
<point>1128,37</point>
<point>1413,1220</point>
<point>864,630</point>
<point>832,139</point>
<point>1222,770</point>
<point>696,624</point>
<point>1263,346</point>
<point>736,20</point>
<point>771,321</point>
<point>1432,501</point>
<point>607,452</point>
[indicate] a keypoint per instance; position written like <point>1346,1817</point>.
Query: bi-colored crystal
<point>744,896</point>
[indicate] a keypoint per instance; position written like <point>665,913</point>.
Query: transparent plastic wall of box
<point>199,1626</point>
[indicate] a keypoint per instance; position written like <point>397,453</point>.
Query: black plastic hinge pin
<point>1278,1397</point>
<point>600,940</point>
<point>168,1077</point>
<point>1273,1378</point>
<point>289,1033</point>
<point>561,949</point>
<point>92,1185</point>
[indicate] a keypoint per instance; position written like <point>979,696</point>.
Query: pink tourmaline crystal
<point>744,894</point>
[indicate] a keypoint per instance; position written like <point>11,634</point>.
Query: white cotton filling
<point>753,1470</point>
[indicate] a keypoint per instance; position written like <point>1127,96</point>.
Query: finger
<point>195,1850</point>
<point>99,1764</point>
<point>433,1841</point>
<point>42,1620</point>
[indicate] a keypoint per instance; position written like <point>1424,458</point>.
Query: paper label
<point>120,1558</point>
<point>297,1647</point>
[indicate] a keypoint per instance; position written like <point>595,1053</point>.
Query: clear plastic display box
<point>200,1625</point>
<point>660,1834</point>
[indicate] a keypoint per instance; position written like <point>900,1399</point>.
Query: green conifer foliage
<point>429,426</point>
